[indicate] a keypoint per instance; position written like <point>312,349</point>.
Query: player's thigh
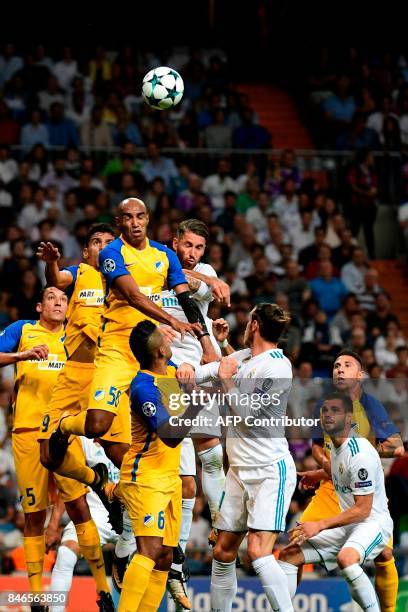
<point>69,488</point>
<point>172,517</point>
<point>187,458</point>
<point>232,514</point>
<point>119,431</point>
<point>112,377</point>
<point>369,539</point>
<point>146,503</point>
<point>70,395</point>
<point>33,480</point>
<point>324,547</point>
<point>269,499</point>
<point>324,504</point>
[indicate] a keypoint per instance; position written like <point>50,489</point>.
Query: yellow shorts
<point>71,395</point>
<point>154,507</point>
<point>115,368</point>
<point>325,504</point>
<point>35,483</point>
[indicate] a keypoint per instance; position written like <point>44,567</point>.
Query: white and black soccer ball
<point>162,88</point>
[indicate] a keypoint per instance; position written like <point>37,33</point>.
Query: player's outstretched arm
<point>37,353</point>
<point>55,277</point>
<point>391,447</point>
<point>219,288</point>
<point>128,288</point>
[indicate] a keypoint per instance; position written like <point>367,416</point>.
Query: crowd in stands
<point>275,235</point>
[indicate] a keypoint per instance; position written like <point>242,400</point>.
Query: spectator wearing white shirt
<point>33,213</point>
<point>35,132</point>
<point>286,206</point>
<point>157,165</point>
<point>303,235</point>
<point>59,178</point>
<point>353,273</point>
<point>371,289</point>
<point>66,69</point>
<point>217,184</point>
<point>8,166</point>
<point>52,94</point>
<point>257,215</point>
<point>385,346</point>
<point>376,120</point>
<point>9,64</point>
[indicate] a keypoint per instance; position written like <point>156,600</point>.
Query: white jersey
<point>189,350</point>
<point>94,454</point>
<point>356,470</point>
<point>262,387</point>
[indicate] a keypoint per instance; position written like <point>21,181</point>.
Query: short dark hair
<point>272,320</point>
<point>102,228</point>
<point>138,341</point>
<point>195,226</point>
<point>350,353</point>
<point>346,399</point>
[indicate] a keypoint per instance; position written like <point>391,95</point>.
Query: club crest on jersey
<point>363,474</point>
<point>158,265</point>
<point>109,265</point>
<point>99,395</point>
<point>267,384</point>
<point>148,520</point>
<point>341,468</point>
<point>149,409</point>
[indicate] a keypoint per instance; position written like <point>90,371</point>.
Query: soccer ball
<point>162,88</point>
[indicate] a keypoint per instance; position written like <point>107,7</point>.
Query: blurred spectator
<point>218,134</point>
<point>310,253</point>
<point>249,197</point>
<point>257,215</point>
<point>358,137</point>
<point>9,128</point>
<point>286,206</point>
<point>378,319</point>
<point>328,290</point>
<point>95,132</point>
<point>66,69</point>
<point>28,295</point>
<point>294,286</point>
<point>400,369</point>
<point>353,273</point>
<point>323,254</point>
<point>58,177</point>
<point>376,384</point>
<point>9,63</point>
<point>125,129</point>
<point>85,193</point>
<point>362,181</point>
<point>34,212</point>
<point>158,165</point>
<point>216,185</point>
<point>249,135</point>
<point>343,253</point>
<point>385,346</point>
<point>370,291</point>
<point>51,94</point>
<point>35,132</point>
<point>8,165</point>
<point>376,119</point>
<point>339,108</point>
<point>99,70</point>
<point>62,132</point>
<point>342,320</point>
<point>71,213</point>
<point>358,340</point>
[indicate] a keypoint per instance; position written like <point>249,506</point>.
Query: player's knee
<point>223,554</point>
<point>212,459</point>
<point>78,510</point>
<point>97,423</point>
<point>34,523</point>
<point>189,488</point>
<point>386,555</point>
<point>289,553</point>
<point>347,557</point>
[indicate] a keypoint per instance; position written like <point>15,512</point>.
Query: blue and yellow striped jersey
<point>153,268</point>
<point>152,397</point>
<point>86,306</point>
<point>34,380</point>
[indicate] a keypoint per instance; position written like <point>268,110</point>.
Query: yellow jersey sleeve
<point>86,306</point>
<point>152,269</point>
<point>34,380</point>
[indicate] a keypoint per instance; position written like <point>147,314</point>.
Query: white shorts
<point>187,458</point>
<point>260,502</point>
<point>211,429</point>
<point>368,538</point>
<point>105,531</point>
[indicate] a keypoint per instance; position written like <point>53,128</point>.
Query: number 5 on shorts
<point>115,395</point>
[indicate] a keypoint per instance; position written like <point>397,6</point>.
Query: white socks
<point>361,589</point>
<point>126,543</point>
<point>213,477</point>
<point>274,583</point>
<point>291,572</point>
<point>223,586</point>
<point>187,506</point>
<point>61,577</point>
